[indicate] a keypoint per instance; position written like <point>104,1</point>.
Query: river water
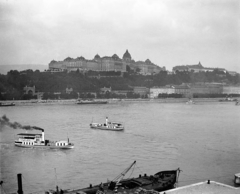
<point>202,139</point>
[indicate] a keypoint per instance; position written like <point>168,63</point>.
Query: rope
<point>139,169</point>
<point>56,183</point>
<point>132,171</point>
<point>3,189</point>
<point>32,186</point>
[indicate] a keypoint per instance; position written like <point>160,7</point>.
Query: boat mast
<point>178,172</point>
<point>119,177</point>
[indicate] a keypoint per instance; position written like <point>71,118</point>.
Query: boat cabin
<point>38,140</point>
<point>30,139</point>
<point>62,143</point>
<point>30,136</point>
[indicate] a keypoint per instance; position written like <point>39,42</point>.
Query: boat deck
<point>203,187</point>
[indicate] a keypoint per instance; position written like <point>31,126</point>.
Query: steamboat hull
<point>108,129</point>
<point>43,146</point>
<point>82,103</point>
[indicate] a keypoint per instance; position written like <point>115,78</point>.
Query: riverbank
<point>160,100</point>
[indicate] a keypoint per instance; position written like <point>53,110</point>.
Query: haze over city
<point>169,33</point>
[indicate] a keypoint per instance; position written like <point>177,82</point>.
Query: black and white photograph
<point>119,96</point>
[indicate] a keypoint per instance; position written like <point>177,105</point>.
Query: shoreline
<point>110,101</point>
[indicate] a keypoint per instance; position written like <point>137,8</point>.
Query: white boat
<point>7,104</point>
<point>190,101</point>
<point>228,99</point>
<point>111,126</point>
<point>237,179</point>
<point>30,140</point>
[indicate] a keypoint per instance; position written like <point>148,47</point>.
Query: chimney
<point>106,120</point>
<point>43,135</point>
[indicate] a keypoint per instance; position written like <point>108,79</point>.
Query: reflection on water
<point>202,139</point>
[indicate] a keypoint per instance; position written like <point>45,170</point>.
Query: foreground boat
<point>111,126</point>
<point>90,101</point>
<point>7,104</point>
<point>237,179</point>
<point>160,181</point>
<point>30,140</point>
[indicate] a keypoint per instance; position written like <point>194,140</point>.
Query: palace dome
<point>53,61</point>
<point>148,61</point>
<point>127,55</point>
<point>80,58</point>
<point>68,59</point>
<point>115,56</point>
<point>97,56</point>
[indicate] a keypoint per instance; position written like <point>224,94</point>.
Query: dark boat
<point>90,101</point>
<point>227,99</point>
<point>161,181</point>
<point>7,104</point>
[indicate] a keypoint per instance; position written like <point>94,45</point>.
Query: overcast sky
<point>168,32</point>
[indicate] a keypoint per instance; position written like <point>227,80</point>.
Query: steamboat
<point>30,140</point>
<point>110,126</point>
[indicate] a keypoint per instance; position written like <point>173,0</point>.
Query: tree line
<point>84,84</point>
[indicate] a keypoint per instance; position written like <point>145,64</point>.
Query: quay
<point>113,101</point>
<point>208,186</point>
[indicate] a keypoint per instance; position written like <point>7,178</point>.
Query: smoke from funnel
<point>4,121</point>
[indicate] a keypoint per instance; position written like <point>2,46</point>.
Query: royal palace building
<point>113,63</point>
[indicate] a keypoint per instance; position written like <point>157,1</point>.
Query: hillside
<point>4,69</point>
<point>52,84</point>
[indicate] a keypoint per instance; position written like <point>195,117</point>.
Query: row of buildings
<point>185,90</point>
<point>199,68</point>
<point>113,63</point>
<point>188,90</point>
<point>117,64</point>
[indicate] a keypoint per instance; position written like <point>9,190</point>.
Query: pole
<point>20,191</point>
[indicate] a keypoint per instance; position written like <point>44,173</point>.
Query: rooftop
<point>28,134</point>
<point>210,187</point>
